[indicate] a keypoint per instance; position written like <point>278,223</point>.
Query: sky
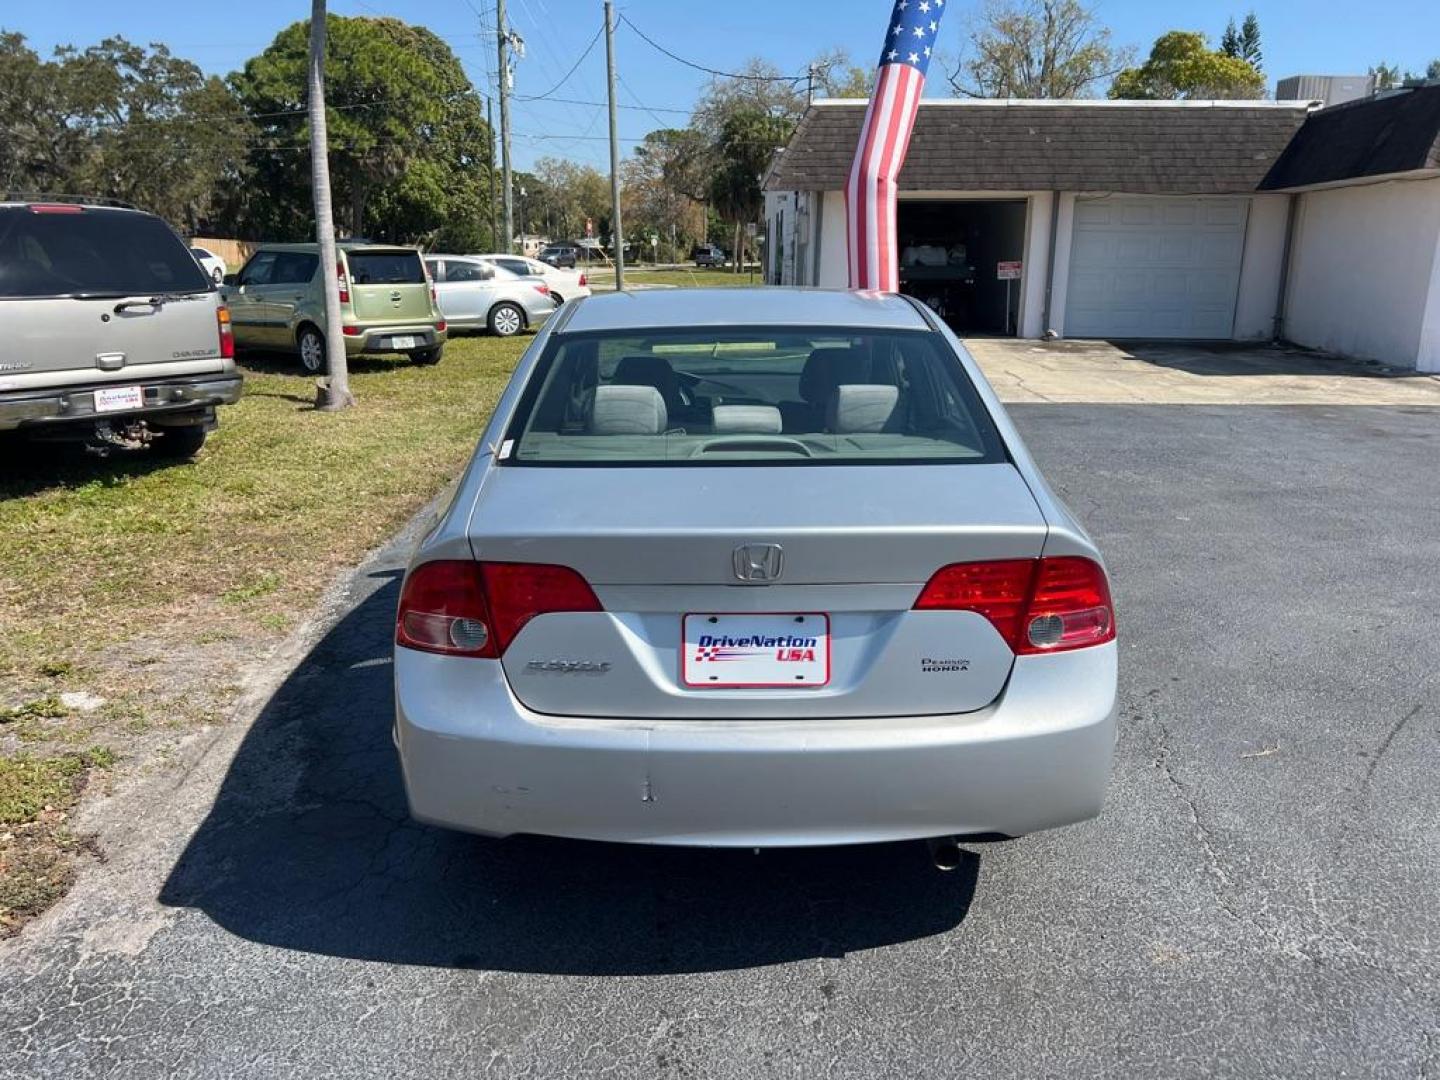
<point>1316,37</point>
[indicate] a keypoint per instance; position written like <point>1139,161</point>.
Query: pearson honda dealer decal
<point>756,650</point>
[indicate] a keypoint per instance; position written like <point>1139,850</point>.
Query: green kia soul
<point>387,302</point>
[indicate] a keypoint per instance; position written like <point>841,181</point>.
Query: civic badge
<point>758,564</point>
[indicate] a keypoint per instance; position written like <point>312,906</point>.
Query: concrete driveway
<point>1102,373</point>
<point>1258,899</point>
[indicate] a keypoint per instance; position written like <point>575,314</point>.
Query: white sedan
<point>564,284</point>
<point>212,264</point>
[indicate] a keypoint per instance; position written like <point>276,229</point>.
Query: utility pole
<point>616,231</point>
<point>502,34</point>
<point>334,392</point>
<point>494,206</point>
<point>810,85</point>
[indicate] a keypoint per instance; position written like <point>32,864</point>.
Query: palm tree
<point>334,392</point>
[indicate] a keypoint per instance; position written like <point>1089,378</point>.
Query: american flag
<point>884,138</point>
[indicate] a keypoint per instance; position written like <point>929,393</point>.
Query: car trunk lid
<point>856,543</point>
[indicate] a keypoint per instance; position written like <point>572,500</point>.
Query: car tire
<point>428,356</point>
<point>311,344</point>
<point>506,319</point>
<point>178,443</point>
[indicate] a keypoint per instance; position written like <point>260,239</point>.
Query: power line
<point>566,78</point>
<point>641,105</point>
<point>701,67</point>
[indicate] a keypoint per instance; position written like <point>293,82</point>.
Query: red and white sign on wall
<point>1007,271</point>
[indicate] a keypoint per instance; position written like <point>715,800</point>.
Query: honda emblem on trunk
<point>758,563</point>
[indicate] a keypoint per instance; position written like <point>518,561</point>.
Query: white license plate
<point>116,398</point>
<point>405,341</point>
<point>754,651</point>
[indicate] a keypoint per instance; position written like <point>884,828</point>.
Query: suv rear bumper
<point>475,758</point>
<point>75,404</point>
<point>377,339</point>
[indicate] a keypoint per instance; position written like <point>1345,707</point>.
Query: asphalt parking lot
<point>1258,899</point>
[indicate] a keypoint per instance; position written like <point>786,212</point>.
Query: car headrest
<point>745,420</point>
<point>627,410</point>
<point>861,408</point>
<point>827,368</point>
<point>645,371</point>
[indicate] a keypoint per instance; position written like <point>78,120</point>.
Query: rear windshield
<point>385,268</point>
<point>751,396</point>
<point>86,252</point>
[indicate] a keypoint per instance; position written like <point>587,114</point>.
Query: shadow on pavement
<point>1248,358</point>
<point>309,847</point>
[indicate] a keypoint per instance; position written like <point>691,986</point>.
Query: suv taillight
<point>464,608</point>
<point>227,335</point>
<point>343,281</point>
<point>583,280</point>
<point>1037,605</point>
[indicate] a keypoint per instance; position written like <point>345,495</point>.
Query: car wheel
<point>506,320</point>
<point>428,356</point>
<point>312,350</point>
<point>178,443</point>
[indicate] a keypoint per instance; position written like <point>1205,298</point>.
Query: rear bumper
<point>475,759</point>
<point>73,404</point>
<point>377,340</point>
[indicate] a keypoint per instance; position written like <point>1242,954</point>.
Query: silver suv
<point>112,331</point>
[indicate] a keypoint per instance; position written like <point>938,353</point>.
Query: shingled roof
<point>1377,136</point>
<point>1196,148</point>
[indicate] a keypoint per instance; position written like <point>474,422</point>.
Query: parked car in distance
<point>560,255</point>
<point>707,255</point>
<point>211,263</point>
<point>477,295</point>
<point>755,567</point>
<point>564,284</point>
<point>387,302</point>
<point>111,330</point>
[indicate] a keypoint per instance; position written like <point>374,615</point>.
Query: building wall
<point>1259,274</point>
<point>1260,268</point>
<point>832,270</point>
<point>1363,276</point>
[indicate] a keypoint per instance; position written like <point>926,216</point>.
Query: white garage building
<point>1183,220</point>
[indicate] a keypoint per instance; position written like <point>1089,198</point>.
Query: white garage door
<point>1155,267</point>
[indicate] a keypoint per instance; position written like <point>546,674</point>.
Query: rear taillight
<point>466,608</point>
<point>227,335</point>
<point>583,282</point>
<point>343,281</point>
<point>1037,605</point>
<point>543,289</point>
<point>351,331</point>
<point>56,208</point>
<point>440,326</point>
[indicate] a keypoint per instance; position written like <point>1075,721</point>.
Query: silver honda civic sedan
<point>753,568</point>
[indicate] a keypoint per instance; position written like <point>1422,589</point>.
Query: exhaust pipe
<point>945,852</point>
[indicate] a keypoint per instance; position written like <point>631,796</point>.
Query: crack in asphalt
<point>1385,743</point>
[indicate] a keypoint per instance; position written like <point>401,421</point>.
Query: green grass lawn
<point>141,591</point>
<point>684,277</point>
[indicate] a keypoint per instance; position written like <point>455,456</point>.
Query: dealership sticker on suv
<point>755,651</point>
<point>116,398</point>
